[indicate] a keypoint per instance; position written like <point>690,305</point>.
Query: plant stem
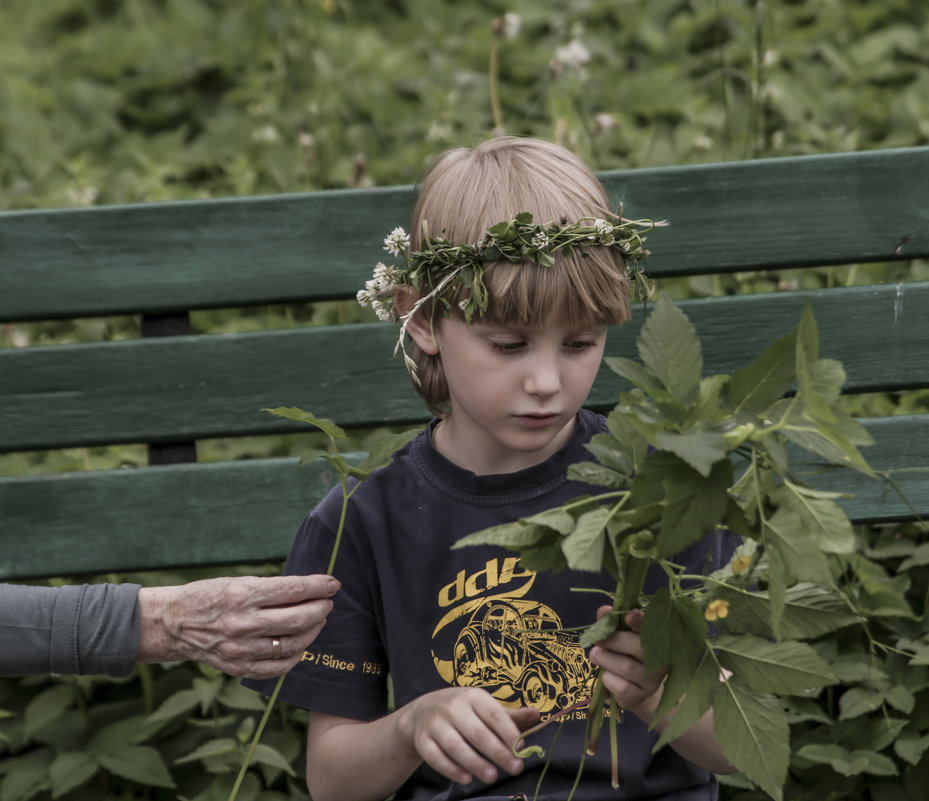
<point>254,744</point>
<point>628,590</point>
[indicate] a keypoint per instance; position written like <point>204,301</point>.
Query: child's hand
<point>463,732</point>
<point>620,656</point>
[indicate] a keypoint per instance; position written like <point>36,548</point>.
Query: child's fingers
<point>469,735</point>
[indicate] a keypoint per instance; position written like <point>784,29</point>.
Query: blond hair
<point>467,190</point>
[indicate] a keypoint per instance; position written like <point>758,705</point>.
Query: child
<point>478,648</point>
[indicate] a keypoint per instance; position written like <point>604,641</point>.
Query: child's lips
<point>537,420</point>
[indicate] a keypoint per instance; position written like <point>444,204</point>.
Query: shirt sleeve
<point>344,671</point>
<point>90,628</point>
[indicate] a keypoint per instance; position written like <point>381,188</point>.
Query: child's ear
<point>418,327</point>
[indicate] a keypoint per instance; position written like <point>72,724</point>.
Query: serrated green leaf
<point>176,705</point>
<point>785,535</point>
<point>515,536</point>
<point>753,733</point>
<point>857,701</point>
<point>636,375</point>
<point>786,667</point>
<point>910,747</point>
<point>597,474</point>
<point>299,416</point>
<point>383,451</point>
<point>46,707</point>
<point>693,504</point>
<point>830,440</point>
<point>583,547</point>
<point>673,632</point>
<point>26,776</point>
<point>700,449</point>
<point>69,770</point>
<point>138,763</point>
<point>900,698</point>
<point>753,388</point>
<point>823,519</point>
<point>557,519</point>
<point>128,731</point>
<point>694,689</point>
<point>235,696</point>
<point>601,629</point>
<point>612,453</point>
<point>213,748</point>
<point>267,755</point>
<point>669,348</point>
<point>810,611</point>
<point>849,763</point>
<point>828,378</point>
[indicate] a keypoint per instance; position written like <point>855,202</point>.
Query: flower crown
<point>441,263</point>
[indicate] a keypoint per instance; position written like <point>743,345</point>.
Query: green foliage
<point>147,100</point>
<point>182,738</point>
<point>688,454</point>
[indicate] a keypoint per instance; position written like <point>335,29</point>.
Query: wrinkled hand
<point>624,675</point>
<point>463,732</point>
<point>229,623</point>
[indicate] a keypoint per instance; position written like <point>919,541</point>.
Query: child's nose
<point>543,376</point>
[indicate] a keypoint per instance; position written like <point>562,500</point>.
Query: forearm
<point>350,760</point>
<point>71,629</point>
<point>698,744</point>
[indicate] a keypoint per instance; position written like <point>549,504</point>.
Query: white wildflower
<point>267,133</point>
<point>540,240</point>
<point>384,311</point>
<point>702,142</point>
<point>573,55</point>
<point>604,232</point>
<point>364,297</point>
<point>507,26</point>
<point>602,123</point>
<point>383,277</point>
<point>396,242</point>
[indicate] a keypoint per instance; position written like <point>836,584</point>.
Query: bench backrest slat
<point>248,511</point>
<point>215,385</point>
<point>769,213</point>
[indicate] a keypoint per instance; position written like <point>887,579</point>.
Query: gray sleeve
<point>91,628</point>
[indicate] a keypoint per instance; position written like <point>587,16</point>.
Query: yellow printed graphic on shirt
<point>492,637</point>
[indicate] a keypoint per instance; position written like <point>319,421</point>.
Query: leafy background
<point>121,101</point>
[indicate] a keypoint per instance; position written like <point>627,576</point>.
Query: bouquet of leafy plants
<point>685,455</point>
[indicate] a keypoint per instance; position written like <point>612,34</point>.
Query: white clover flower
<point>702,142</point>
<point>509,25</point>
<point>604,232</point>
<point>396,242</point>
<point>267,133</point>
<point>540,240</point>
<point>384,311</point>
<point>383,277</point>
<point>364,298</point>
<point>573,55</point>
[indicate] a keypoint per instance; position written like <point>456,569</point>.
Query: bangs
<point>577,290</point>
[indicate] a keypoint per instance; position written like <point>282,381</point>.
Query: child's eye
<point>509,346</point>
<point>579,344</point>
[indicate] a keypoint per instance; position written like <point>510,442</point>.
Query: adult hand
<point>234,624</point>
<point>463,732</point>
<point>624,674</point>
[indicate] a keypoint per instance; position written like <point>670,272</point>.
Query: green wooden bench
<point>170,389</point>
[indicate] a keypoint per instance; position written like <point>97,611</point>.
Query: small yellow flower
<point>716,610</point>
<point>741,563</point>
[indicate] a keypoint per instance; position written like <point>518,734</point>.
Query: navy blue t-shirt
<point>433,617</point>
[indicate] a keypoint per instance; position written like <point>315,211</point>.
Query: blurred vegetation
<point>125,101</point>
